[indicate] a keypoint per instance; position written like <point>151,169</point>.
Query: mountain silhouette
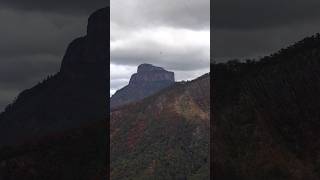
<point>57,129</point>
<point>147,81</point>
<point>72,97</point>
<point>266,115</point>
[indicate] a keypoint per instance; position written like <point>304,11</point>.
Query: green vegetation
<point>153,139</point>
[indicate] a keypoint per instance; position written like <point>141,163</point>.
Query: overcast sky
<point>34,35</point>
<point>253,28</point>
<point>174,34</point>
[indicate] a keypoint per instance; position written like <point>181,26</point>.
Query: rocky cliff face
<point>55,129</point>
<point>147,73</point>
<point>147,81</point>
<point>164,136</point>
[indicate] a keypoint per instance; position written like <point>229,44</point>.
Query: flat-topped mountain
<point>147,81</point>
<point>148,68</point>
<point>148,73</point>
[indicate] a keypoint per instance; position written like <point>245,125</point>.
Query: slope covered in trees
<point>165,136</point>
<point>266,115</point>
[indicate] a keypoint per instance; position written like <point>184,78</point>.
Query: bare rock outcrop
<point>147,81</point>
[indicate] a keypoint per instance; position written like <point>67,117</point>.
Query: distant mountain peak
<point>148,67</point>
<point>148,80</point>
<point>151,73</point>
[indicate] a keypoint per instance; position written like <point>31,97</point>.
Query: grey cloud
<point>174,59</point>
<point>178,49</point>
<point>254,43</point>
<point>14,70</point>
<point>193,14</point>
<point>19,73</point>
<point>251,14</point>
<point>32,33</point>
<point>252,29</point>
<point>118,83</point>
<point>7,96</point>
<point>57,6</point>
<point>190,75</point>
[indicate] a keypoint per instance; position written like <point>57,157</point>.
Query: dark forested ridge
<point>164,136</point>
<point>266,121</point>
<point>57,129</point>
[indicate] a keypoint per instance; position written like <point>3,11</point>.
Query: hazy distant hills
<point>147,81</point>
<point>266,121</point>
<point>164,136</point>
<point>57,129</point>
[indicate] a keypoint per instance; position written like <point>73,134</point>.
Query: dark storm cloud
<point>29,33</point>
<point>250,28</point>
<point>19,73</point>
<point>248,14</point>
<point>58,6</point>
<point>6,97</point>
<point>13,71</point>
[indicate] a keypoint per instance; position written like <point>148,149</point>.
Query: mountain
<point>57,129</point>
<point>164,136</point>
<point>54,104</point>
<point>147,81</point>
<point>266,116</point>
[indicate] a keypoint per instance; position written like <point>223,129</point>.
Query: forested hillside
<point>165,136</point>
<point>266,115</point>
